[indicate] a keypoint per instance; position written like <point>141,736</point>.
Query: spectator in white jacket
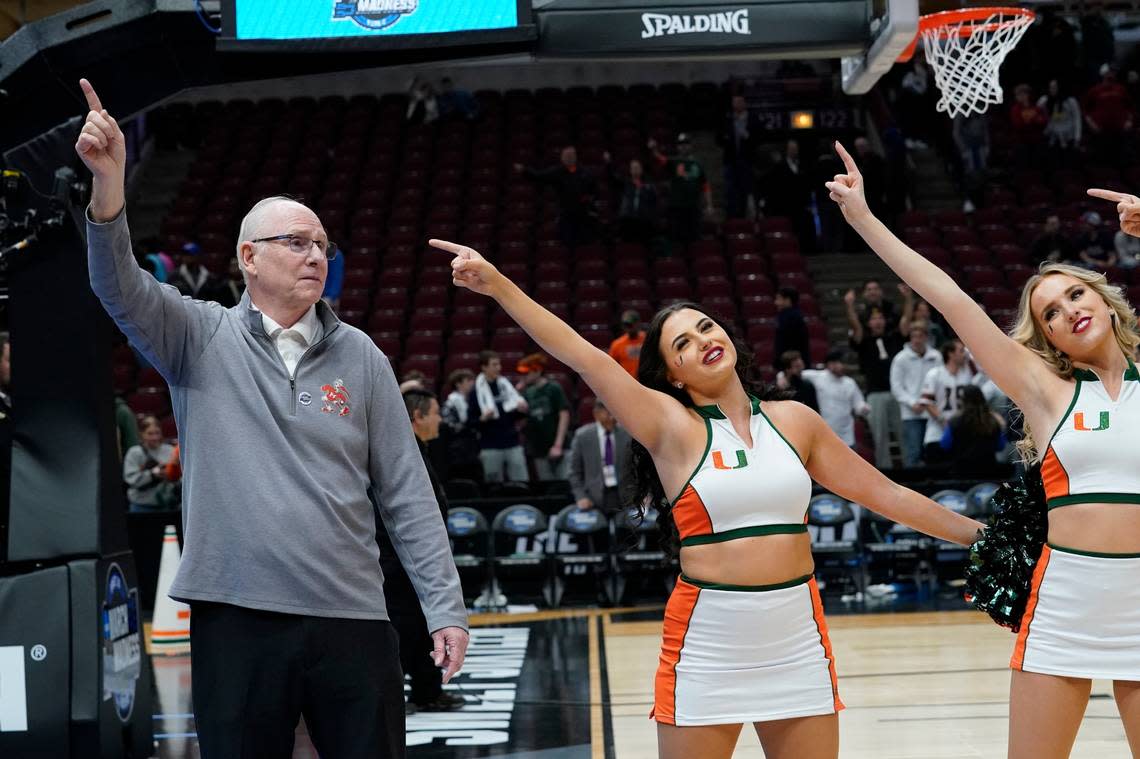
<point>908,370</point>
<point>942,393</point>
<point>840,399</point>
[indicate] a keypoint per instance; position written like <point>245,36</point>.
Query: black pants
<point>738,183</point>
<point>255,673</point>
<point>415,641</point>
<point>685,224</point>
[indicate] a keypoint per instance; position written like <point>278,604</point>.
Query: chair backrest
<point>520,520</point>
<point>578,521</point>
<point>955,500</point>
<point>468,531</point>
<point>519,529</point>
<point>980,495</point>
<point>465,522</point>
<point>581,531</point>
<point>828,511</point>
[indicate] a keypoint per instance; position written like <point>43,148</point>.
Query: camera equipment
<point>26,213</point>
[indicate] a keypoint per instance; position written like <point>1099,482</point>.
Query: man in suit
<point>788,193</point>
<point>637,209</point>
<point>599,456</point>
<point>738,137</point>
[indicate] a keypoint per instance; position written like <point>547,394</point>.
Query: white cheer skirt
<point>1083,616</point>
<point>735,654</point>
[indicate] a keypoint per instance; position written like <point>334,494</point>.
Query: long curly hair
<point>652,371</point>
<point>1028,332</point>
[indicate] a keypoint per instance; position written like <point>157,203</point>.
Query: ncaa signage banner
<point>13,690</point>
<point>630,29</point>
<point>316,19</point>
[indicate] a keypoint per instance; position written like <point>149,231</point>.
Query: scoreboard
<point>329,25</point>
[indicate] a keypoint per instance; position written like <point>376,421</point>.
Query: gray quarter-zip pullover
<point>277,469</point>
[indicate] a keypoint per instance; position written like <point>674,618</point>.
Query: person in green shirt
<point>127,424</point>
<point>548,420</point>
<point>689,191</point>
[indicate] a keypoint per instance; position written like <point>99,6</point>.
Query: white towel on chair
<point>486,398</point>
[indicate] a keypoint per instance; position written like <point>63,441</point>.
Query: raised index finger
<point>89,93</point>
<point>450,247</point>
<point>848,161</point>
<point>1112,195</point>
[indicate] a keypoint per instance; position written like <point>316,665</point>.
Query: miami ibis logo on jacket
<point>335,399</point>
<point>718,460</point>
<point>1080,426</point>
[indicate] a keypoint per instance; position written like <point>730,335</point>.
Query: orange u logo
<point>741,460</point>
<point>1079,422</point>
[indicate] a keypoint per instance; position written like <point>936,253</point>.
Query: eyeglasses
<point>301,245</point>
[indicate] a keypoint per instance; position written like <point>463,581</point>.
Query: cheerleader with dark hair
<point>729,465</point>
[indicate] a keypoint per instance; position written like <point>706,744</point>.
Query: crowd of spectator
<point>494,431</point>
<point>1071,105</point>
<point>1090,244</point>
<point>661,208</point>
<point>1068,101</point>
<point>913,377</point>
<point>915,393</point>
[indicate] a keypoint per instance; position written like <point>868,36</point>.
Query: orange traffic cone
<point>170,628</point>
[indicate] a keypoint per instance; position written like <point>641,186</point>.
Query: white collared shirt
<point>294,341</point>
<point>609,473</point>
<point>840,399</point>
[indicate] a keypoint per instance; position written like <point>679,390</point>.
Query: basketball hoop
<point>965,48</point>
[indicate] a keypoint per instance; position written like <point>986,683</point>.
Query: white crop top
<point>737,491</point>
<point>1092,457</point>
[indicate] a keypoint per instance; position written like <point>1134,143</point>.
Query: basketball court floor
<point>577,684</point>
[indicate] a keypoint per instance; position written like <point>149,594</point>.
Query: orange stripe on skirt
<point>821,625</point>
<point>678,613</point>
<point>1018,659</point>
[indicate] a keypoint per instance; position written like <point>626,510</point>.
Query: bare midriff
<point>756,560</point>
<point>1096,527</point>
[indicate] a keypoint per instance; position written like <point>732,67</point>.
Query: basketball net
<point>965,49</point>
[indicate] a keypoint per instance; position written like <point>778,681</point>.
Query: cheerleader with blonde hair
<point>1067,365</point>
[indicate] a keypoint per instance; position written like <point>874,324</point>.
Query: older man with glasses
<point>291,425</point>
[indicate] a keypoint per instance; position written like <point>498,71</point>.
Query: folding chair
<point>950,558</point>
<point>895,552</point>
<point>581,547</point>
<point>471,550</point>
<point>638,555</point>
<point>835,545</point>
<point>519,562</point>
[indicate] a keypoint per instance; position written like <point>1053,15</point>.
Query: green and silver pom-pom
<point>1003,558</point>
